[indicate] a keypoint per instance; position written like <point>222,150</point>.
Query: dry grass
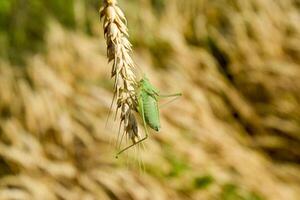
<point>125,83</point>
<point>239,114</point>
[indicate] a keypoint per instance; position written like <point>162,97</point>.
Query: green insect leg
<point>177,95</point>
<point>169,95</point>
<point>141,110</point>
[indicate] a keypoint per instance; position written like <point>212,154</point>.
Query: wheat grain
<point>118,51</point>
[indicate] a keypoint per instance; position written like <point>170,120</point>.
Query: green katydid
<point>147,99</point>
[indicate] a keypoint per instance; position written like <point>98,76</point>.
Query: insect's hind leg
<point>176,96</point>
<point>170,95</point>
<point>135,143</point>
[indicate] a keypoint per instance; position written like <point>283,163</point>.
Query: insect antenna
<point>137,70</point>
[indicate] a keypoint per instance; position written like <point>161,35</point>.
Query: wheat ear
<point>118,51</point>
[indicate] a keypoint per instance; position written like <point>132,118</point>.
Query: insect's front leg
<point>142,113</point>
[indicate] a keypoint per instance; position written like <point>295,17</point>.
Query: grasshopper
<point>147,100</point>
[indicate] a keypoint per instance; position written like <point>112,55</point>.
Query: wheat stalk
<point>118,51</point>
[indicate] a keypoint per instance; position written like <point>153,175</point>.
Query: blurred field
<point>234,135</point>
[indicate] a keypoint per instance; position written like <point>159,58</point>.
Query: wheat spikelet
<point>118,49</point>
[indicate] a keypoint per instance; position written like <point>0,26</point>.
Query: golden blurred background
<point>233,135</point>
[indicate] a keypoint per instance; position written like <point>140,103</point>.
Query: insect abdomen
<point>151,111</point>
